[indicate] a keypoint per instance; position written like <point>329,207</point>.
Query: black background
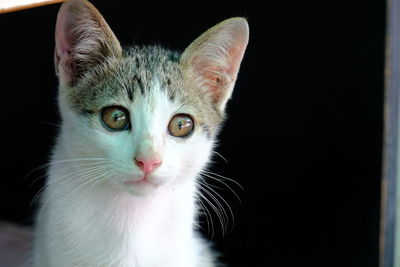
<point>303,137</point>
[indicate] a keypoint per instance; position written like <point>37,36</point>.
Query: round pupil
<point>115,118</point>
<point>118,115</point>
<point>183,123</point>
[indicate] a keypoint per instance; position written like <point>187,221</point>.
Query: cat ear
<point>83,40</point>
<point>214,58</point>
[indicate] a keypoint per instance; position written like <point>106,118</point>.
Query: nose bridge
<point>148,139</point>
<point>147,143</point>
<point>146,146</point>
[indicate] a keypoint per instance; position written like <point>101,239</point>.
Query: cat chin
<point>141,186</point>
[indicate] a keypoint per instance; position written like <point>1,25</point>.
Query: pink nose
<point>147,165</point>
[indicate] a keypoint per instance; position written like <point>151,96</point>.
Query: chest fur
<point>85,227</point>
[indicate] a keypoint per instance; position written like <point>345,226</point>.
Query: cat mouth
<point>140,182</point>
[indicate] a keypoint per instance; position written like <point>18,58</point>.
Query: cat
<point>138,125</point>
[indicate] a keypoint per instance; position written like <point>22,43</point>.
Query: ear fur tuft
<point>83,40</point>
<point>214,58</point>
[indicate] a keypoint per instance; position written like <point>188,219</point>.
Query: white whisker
<point>209,175</point>
<point>222,157</point>
<point>208,212</point>
<point>223,177</point>
<point>217,207</point>
<point>54,162</point>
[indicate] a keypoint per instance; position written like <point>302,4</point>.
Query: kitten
<point>138,126</point>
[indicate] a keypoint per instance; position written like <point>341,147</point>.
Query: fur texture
<point>99,208</point>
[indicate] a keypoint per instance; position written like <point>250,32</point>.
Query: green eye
<point>115,118</point>
<point>181,125</point>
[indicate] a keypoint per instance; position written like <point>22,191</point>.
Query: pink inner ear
<point>218,78</point>
<point>83,40</point>
<point>64,25</point>
<point>235,58</point>
<point>215,81</point>
<point>216,56</point>
<point>63,62</point>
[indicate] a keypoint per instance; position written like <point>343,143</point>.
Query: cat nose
<point>147,165</point>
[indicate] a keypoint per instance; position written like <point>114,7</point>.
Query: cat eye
<point>181,125</point>
<point>115,118</point>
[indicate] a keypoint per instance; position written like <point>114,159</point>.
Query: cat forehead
<point>124,79</point>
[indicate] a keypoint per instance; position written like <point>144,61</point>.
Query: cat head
<point>149,115</point>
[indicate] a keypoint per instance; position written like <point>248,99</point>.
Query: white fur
<point>89,217</point>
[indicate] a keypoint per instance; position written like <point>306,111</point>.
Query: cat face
<point>140,121</point>
<point>148,114</point>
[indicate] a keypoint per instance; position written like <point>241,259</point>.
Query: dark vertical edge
<point>390,149</point>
